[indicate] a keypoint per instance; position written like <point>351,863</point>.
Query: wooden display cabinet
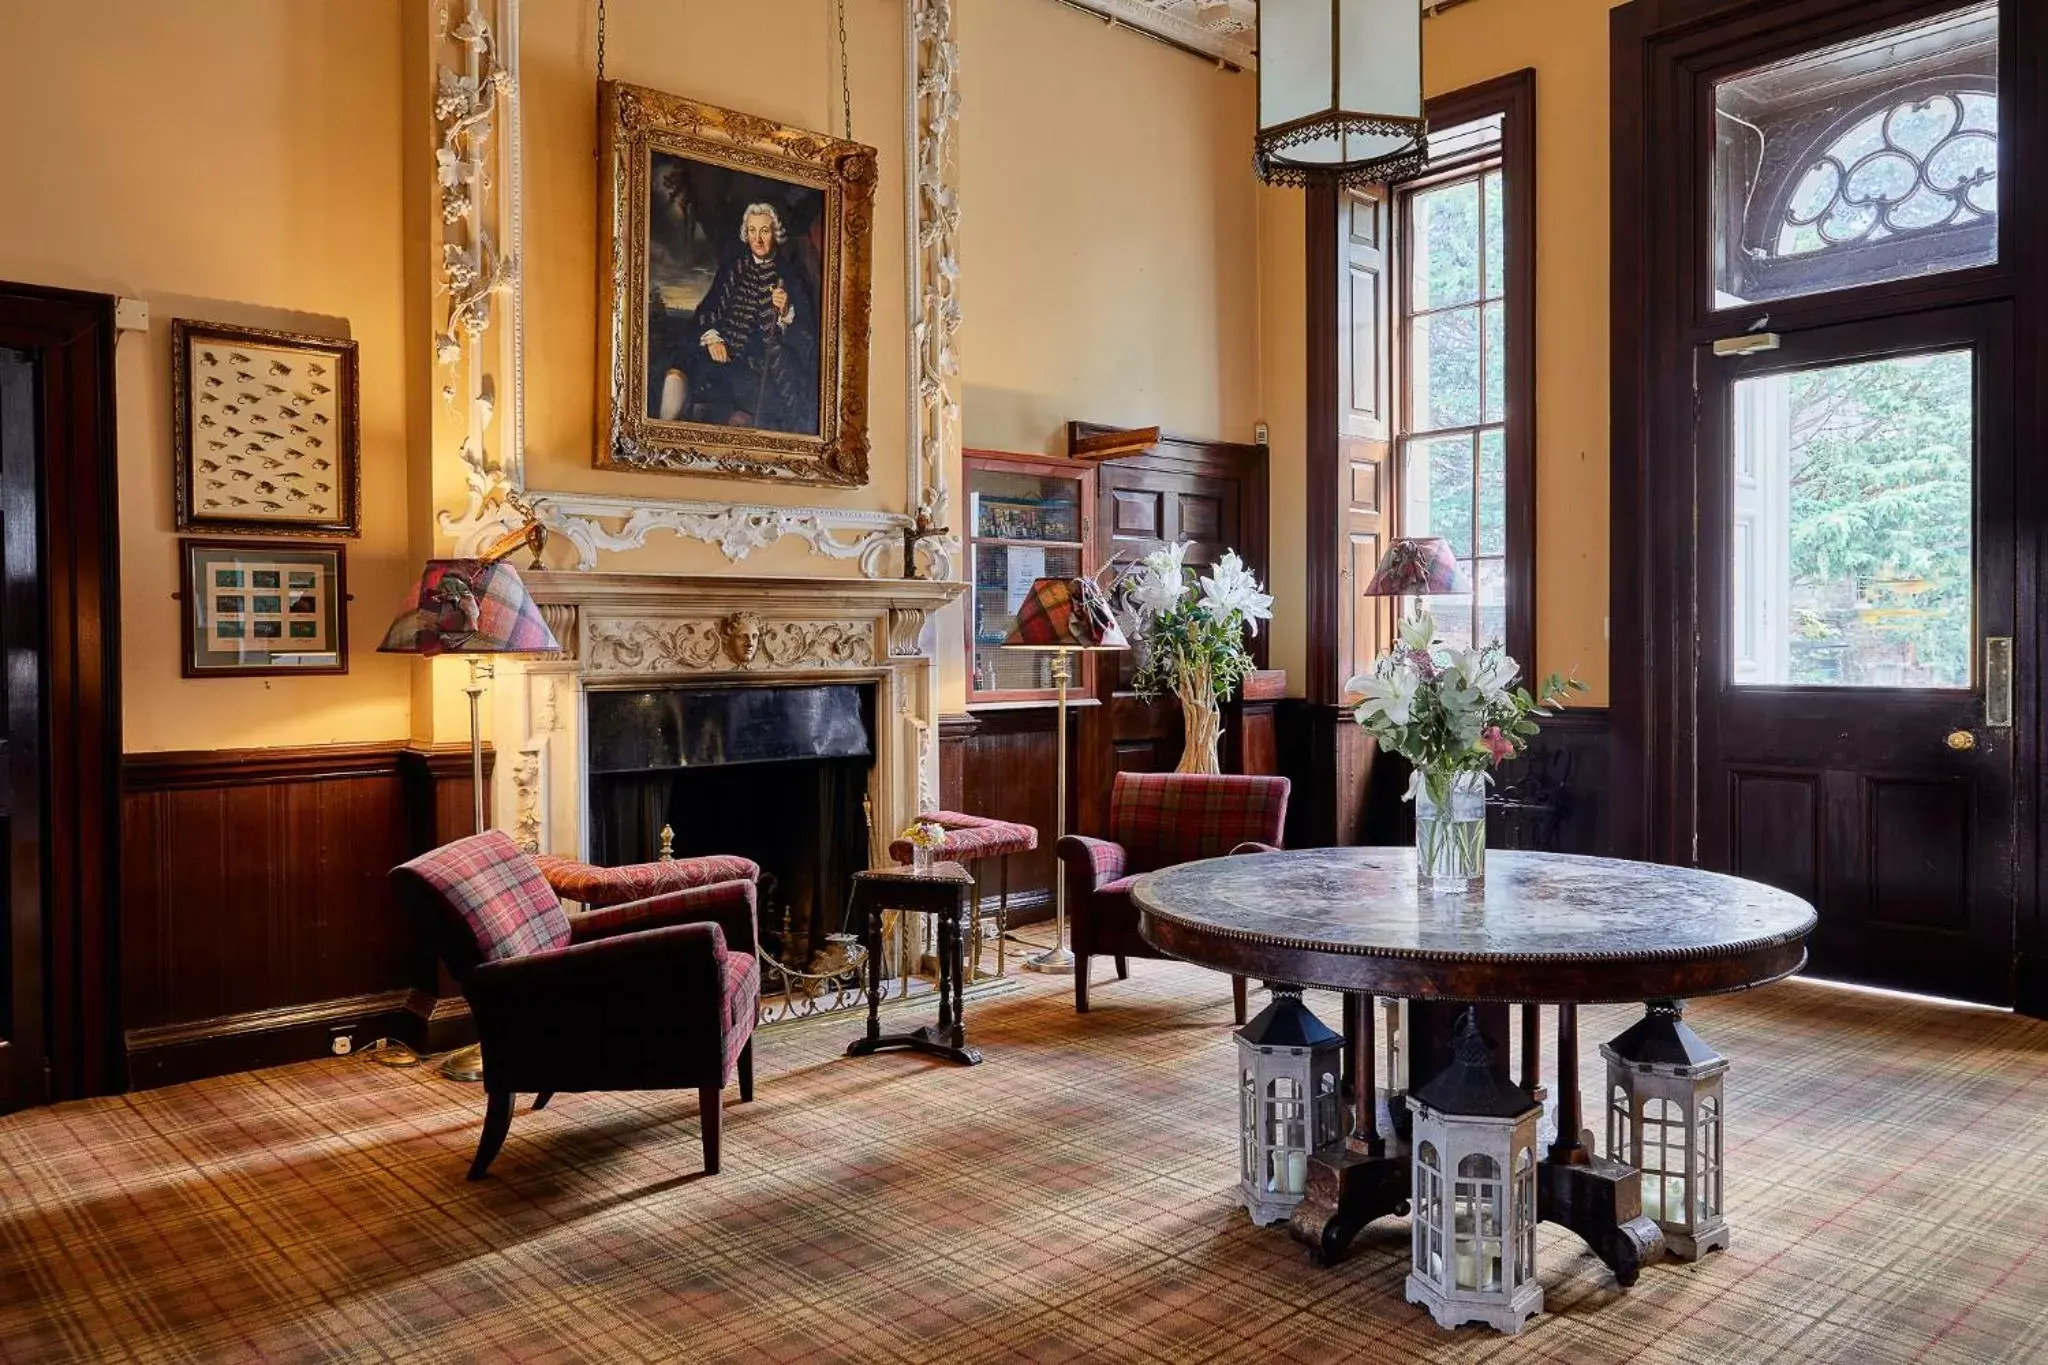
<point>1029,517</point>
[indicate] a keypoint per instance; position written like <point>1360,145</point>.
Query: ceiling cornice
<point>1223,30</point>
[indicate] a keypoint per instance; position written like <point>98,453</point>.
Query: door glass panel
<point>1851,549</point>
<point>1866,162</point>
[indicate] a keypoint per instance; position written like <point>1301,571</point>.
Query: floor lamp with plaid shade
<point>1063,616</point>
<point>473,607</point>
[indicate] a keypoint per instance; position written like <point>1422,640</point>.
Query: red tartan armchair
<point>1158,820</point>
<point>654,988</point>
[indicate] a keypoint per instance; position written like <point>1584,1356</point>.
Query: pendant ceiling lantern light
<point>1340,91</point>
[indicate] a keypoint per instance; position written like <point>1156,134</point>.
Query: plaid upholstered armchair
<point>652,987</point>
<point>1158,820</point>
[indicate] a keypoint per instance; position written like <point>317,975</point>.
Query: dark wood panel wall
<point>1000,763</point>
<point>255,923</point>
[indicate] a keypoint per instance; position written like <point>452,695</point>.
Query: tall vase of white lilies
<point>1456,715</point>
<point>1190,632</point>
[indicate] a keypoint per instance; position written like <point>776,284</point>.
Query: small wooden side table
<point>943,890</point>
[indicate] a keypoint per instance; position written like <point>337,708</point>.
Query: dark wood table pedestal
<point>943,891</point>
<point>1365,1175</point>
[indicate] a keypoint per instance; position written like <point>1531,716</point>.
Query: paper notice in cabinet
<point>1027,566</point>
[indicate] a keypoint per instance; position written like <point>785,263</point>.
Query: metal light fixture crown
<point>1340,91</point>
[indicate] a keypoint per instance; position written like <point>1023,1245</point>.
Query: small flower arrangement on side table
<point>926,838</point>
<point>1456,715</point>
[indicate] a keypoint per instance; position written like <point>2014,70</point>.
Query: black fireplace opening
<point>778,774</point>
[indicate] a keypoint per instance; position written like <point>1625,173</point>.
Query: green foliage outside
<point>1880,522</point>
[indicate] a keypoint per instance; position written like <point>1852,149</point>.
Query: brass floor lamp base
<point>465,1063</point>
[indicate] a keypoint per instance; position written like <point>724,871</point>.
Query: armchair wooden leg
<point>746,1070</point>
<point>540,1101</point>
<point>710,1108</point>
<point>497,1122</point>
<point>1123,968</point>
<point>1237,998</point>
<point>1080,983</point>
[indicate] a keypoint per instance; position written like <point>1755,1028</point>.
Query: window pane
<point>1490,577</point>
<point>1892,175</point>
<point>1453,618</point>
<point>1494,406</point>
<point>1852,528</point>
<point>1443,358</point>
<point>1493,493</point>
<point>1445,249</point>
<point>1496,237</point>
<point>1436,479</point>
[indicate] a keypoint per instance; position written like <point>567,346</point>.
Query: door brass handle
<point>1962,741</point>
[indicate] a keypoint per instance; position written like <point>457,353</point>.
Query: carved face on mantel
<point>741,633</point>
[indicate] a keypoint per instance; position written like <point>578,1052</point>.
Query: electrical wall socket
<point>342,1045</point>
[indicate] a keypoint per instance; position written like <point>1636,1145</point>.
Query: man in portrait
<point>755,358</point>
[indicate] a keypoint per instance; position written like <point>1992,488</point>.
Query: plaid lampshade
<point>468,606</point>
<point>1065,613</point>
<point>1418,566</point>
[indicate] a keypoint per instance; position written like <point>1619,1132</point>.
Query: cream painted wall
<point>1566,42</point>
<point>1108,232</point>
<point>237,161</point>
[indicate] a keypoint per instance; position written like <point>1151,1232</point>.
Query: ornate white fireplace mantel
<point>656,630</point>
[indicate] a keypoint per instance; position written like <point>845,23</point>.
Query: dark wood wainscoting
<point>1001,762</point>
<point>256,926</point>
<point>1552,799</point>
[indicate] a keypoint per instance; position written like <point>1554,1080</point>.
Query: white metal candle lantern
<point>1474,1201</point>
<point>1289,1069</point>
<point>1664,1117</point>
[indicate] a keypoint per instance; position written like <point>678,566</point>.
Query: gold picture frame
<point>264,431</point>
<point>713,221</point>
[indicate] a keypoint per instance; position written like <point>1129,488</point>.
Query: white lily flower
<point>1419,631</point>
<point>1160,581</point>
<point>1392,696</point>
<point>1233,587</point>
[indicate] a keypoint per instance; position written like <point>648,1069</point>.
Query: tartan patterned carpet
<point>1068,1200</point>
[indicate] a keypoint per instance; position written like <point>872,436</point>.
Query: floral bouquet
<point>1190,633</point>
<point>926,838</point>
<point>1455,714</point>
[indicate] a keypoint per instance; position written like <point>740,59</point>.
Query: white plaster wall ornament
<point>707,645</point>
<point>479,346</point>
<point>479,337</point>
<point>593,523</point>
<point>906,632</point>
<point>933,209</point>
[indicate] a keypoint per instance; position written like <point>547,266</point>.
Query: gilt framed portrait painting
<point>734,286</point>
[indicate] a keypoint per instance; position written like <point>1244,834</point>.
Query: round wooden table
<point>1546,928</point>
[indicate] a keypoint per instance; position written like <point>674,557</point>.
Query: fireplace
<point>754,714</point>
<point>777,772</point>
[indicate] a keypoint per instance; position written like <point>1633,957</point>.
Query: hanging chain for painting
<point>845,85</point>
<point>600,39</point>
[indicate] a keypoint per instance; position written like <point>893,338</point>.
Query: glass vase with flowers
<point>1455,715</point>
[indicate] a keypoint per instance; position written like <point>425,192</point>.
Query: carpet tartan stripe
<point>1069,1200</point>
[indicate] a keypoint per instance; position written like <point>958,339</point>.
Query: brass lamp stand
<point>474,607</point>
<point>1063,616</point>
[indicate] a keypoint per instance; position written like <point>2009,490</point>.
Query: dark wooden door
<point>1857,746</point>
<point>22,1044</point>
<point>60,702</point>
<point>1209,493</point>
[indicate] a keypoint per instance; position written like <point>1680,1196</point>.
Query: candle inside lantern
<point>1297,1172</point>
